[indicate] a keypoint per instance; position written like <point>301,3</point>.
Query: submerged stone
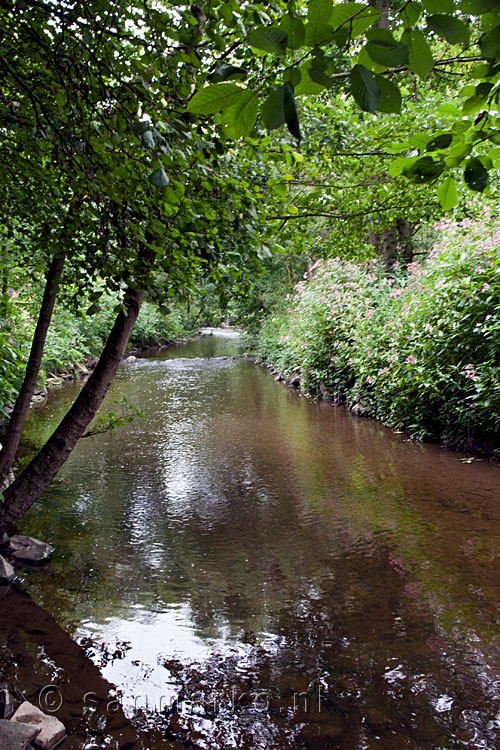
<point>27,549</point>
<point>7,703</point>
<point>51,731</point>
<point>7,572</point>
<point>16,735</point>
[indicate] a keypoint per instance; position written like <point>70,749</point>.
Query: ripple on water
<point>294,577</point>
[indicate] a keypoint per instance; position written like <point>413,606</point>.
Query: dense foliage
<point>419,349</point>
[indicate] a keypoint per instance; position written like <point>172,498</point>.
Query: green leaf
<point>148,139</point>
<point>364,88</point>
<point>403,164</point>
<point>420,60</point>
<point>171,196</point>
<point>281,190</point>
<point>473,104</point>
<point>439,6</point>
<point>449,28</point>
<point>159,178</point>
<point>273,109</point>
<point>384,50</point>
<point>344,13</point>
<point>291,114</point>
<point>319,77</point>
<point>424,170</point>
<point>390,96</point>
<point>478,7</point>
<point>490,44</point>
<point>241,115</point>
<point>475,175</point>
<point>294,29</point>
<point>411,13</point>
<point>307,85</point>
<point>214,98</point>
<point>226,72</point>
<point>447,194</point>
<point>140,126</point>
<point>269,39</point>
<point>366,18</point>
<point>319,13</point>
<point>292,76</point>
<point>480,70</point>
<point>439,142</point>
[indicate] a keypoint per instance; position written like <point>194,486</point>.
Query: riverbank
<point>417,349</point>
<point>75,340</point>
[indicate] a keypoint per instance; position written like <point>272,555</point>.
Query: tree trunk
<point>404,233</point>
<point>374,239</point>
<point>16,422</point>
<point>389,247</point>
<point>30,485</point>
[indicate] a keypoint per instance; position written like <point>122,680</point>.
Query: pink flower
<point>485,287</point>
<point>469,371</point>
<point>410,360</point>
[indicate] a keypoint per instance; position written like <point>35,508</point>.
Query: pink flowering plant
<point>419,349</point>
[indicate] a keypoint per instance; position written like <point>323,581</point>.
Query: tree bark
<point>389,247</point>
<point>404,235</point>
<point>23,400</point>
<point>34,480</point>
<point>16,422</point>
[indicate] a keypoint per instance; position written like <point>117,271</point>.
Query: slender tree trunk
<point>16,422</point>
<point>30,485</point>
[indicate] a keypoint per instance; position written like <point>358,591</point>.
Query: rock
<point>54,380</point>
<point>130,359</point>
<point>7,572</point>
<point>16,735</point>
<point>81,369</point>
<point>294,379</point>
<point>359,410</point>
<point>6,702</point>
<point>27,549</point>
<point>51,730</point>
<point>39,398</point>
<point>325,392</point>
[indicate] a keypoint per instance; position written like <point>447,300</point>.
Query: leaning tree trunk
<point>11,439</point>
<point>30,485</point>
<point>16,422</point>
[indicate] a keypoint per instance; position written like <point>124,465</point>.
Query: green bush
<point>10,353</point>
<point>420,349</point>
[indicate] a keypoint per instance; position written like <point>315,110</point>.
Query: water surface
<point>293,576</point>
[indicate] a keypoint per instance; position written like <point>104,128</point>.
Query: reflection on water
<point>294,576</point>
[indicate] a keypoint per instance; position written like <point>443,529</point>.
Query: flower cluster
<point>421,349</point>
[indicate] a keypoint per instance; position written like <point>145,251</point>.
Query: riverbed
<point>250,568</point>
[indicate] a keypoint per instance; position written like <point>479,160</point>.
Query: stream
<point>250,568</point>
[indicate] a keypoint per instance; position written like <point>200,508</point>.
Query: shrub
<point>419,349</point>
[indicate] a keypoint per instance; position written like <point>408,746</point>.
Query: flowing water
<point>249,568</point>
